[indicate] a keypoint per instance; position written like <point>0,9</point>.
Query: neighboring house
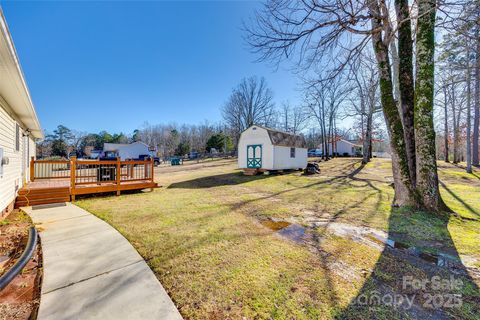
<point>381,154</point>
<point>126,151</point>
<point>345,148</point>
<point>271,149</point>
<point>19,125</point>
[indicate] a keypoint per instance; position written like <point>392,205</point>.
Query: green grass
<point>201,236</point>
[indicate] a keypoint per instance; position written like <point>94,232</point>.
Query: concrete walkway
<point>90,271</point>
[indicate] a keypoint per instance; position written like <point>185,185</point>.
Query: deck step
<point>29,191</point>
<point>24,203</point>
<point>36,196</point>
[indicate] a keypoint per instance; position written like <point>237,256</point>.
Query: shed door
<point>254,156</point>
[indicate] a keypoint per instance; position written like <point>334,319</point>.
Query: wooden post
<point>131,166</point>
<point>152,165</point>
<point>145,169</point>
<point>119,173</point>
<point>73,172</point>
<point>32,169</point>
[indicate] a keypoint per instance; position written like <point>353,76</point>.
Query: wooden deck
<point>62,181</point>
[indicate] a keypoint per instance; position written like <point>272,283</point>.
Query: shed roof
<point>284,139</point>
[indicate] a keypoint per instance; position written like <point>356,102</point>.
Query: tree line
<point>169,140</point>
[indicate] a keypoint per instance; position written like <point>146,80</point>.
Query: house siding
<point>13,176</point>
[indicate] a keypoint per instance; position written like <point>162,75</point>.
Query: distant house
<point>19,125</point>
<point>264,148</point>
<point>345,148</point>
<point>126,151</point>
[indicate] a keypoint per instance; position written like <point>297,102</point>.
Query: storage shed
<point>270,149</point>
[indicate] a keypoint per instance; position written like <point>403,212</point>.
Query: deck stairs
<point>36,196</point>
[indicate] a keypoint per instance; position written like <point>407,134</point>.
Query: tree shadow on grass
<point>227,179</point>
<point>419,274</point>
<point>464,204</point>
<point>423,249</point>
<point>419,248</point>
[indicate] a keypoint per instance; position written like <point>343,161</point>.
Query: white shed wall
<point>258,136</point>
<point>273,157</point>
<point>282,160</point>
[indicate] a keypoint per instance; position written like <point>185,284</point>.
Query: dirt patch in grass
<point>20,299</point>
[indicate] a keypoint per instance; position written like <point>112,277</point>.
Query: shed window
<point>292,152</point>
<point>17,137</point>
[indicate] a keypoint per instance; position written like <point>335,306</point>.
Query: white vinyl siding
<point>12,179</point>
<point>273,157</point>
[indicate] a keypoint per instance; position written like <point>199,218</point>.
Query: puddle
<point>372,237</point>
<point>291,231</point>
<point>275,225</point>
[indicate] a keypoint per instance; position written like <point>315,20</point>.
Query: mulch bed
<point>21,298</point>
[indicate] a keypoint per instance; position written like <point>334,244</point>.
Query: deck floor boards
<point>43,191</point>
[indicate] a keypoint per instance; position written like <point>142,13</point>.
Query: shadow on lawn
<point>453,194</point>
<point>423,249</point>
<point>391,290</point>
<point>227,179</point>
<point>395,287</point>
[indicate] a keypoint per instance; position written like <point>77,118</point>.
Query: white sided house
<point>269,149</point>
<point>126,151</point>
<point>345,148</point>
<point>19,125</point>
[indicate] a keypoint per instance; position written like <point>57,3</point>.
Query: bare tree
<point>364,100</point>
<point>459,58</point>
<point>293,119</point>
<point>321,32</point>
<point>251,102</point>
<point>323,102</point>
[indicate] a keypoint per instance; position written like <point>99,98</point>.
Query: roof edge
<point>36,129</point>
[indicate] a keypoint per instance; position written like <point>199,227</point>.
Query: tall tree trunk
<point>427,177</point>
<point>469,111</point>
<point>405,76</point>
<point>476,116</point>
<point>404,192</point>
<point>455,122</point>
<point>367,140</point>
<point>396,71</point>
<point>445,123</point>
<point>370,147</point>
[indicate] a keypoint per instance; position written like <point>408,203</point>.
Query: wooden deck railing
<point>49,169</point>
<point>100,175</point>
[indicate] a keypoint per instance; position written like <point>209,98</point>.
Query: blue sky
<point>114,65</point>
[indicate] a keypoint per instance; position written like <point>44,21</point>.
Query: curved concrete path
<point>90,271</point>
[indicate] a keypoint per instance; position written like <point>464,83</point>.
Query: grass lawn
<point>201,233</point>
